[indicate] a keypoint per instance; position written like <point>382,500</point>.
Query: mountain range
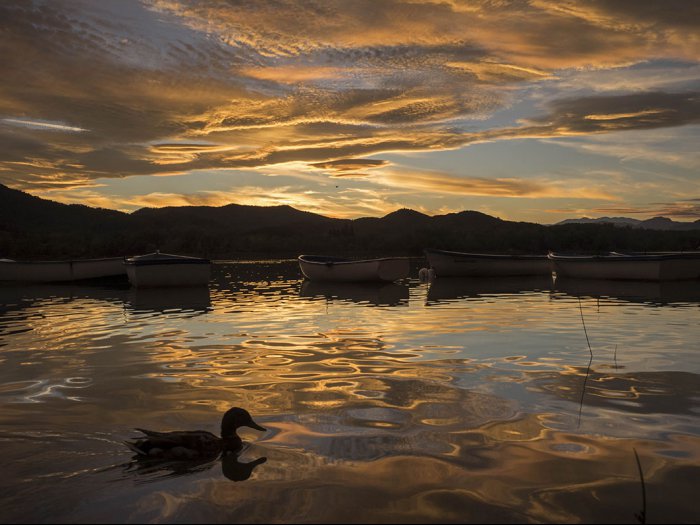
<point>35,228</point>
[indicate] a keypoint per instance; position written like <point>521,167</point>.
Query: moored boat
<point>662,266</point>
<point>163,269</point>
<point>338,269</point>
<point>459,264</point>
<point>61,271</point>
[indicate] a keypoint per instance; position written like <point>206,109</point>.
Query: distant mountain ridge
<point>656,223</point>
<point>35,228</point>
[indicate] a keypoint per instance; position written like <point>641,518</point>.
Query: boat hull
<point>663,267</point>
<point>158,270</point>
<point>61,271</point>
<point>339,270</point>
<point>458,264</point>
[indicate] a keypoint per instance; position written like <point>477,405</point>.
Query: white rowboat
<point>664,266</point>
<point>163,269</point>
<point>60,271</point>
<point>458,264</point>
<point>323,268</point>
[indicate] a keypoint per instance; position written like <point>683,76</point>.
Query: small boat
<point>661,266</point>
<point>61,271</point>
<point>163,269</point>
<point>337,269</point>
<point>458,264</point>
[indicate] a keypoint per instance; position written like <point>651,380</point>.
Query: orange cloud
<point>291,74</point>
<point>474,186</point>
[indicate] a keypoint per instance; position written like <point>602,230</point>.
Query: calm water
<point>457,401</point>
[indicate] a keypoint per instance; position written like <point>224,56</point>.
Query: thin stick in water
<point>588,370</point>
<point>584,326</point>
<point>641,516</point>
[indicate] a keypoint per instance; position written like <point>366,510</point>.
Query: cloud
<point>99,90</point>
<point>347,167</point>
<point>684,209</point>
<point>436,182</point>
<point>53,126</point>
<point>548,33</point>
<point>681,210</point>
<point>604,114</point>
<point>496,73</point>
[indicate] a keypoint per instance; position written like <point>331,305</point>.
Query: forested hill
<point>35,228</point>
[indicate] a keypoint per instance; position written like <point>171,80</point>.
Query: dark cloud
<point>341,165</point>
<point>678,210</point>
<point>623,112</point>
<point>64,70</point>
<point>668,14</point>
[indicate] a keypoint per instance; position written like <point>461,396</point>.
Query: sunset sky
<point>538,111</point>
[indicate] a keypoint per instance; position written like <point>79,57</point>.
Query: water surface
<point>511,400</point>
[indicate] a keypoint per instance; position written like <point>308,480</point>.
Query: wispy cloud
<point>681,210</point>
<point>685,209</point>
<point>436,182</point>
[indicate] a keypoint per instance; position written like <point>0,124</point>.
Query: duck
<point>194,444</point>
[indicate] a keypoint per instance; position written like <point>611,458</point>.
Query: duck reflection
<point>155,469</point>
<point>450,288</point>
<point>369,293</point>
<point>654,292</point>
<point>237,471</point>
<point>191,298</point>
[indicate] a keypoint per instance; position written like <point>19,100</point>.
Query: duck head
<point>235,418</point>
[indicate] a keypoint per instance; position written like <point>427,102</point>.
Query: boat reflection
<point>191,298</point>
<point>150,469</point>
<point>19,297</point>
<point>232,275</point>
<point>446,289</point>
<point>367,293</point>
<point>655,292</point>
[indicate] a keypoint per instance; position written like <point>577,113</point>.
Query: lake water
<point>456,401</point>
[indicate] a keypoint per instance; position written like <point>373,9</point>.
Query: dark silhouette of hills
<point>32,213</point>
<point>34,228</point>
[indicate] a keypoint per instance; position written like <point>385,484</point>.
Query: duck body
<point>194,444</point>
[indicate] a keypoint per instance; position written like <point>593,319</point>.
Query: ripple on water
<point>476,400</point>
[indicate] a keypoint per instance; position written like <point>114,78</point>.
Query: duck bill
<point>254,425</point>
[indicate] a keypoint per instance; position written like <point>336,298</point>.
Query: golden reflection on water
<point>457,400</point>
